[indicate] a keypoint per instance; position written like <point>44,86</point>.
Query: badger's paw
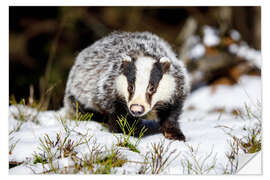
<point>174,134</point>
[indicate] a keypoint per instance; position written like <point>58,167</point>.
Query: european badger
<point>129,73</point>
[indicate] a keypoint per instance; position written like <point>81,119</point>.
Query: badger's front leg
<point>114,126</point>
<point>112,123</point>
<point>169,121</point>
<point>119,111</point>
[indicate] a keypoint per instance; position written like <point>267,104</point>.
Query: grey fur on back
<point>91,79</point>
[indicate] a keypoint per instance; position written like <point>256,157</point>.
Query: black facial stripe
<point>156,74</point>
<point>155,77</point>
<point>129,70</point>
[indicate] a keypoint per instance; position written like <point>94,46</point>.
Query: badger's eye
<point>130,88</point>
<point>151,89</point>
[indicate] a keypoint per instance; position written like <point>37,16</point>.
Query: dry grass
<point>158,158</point>
<point>193,163</point>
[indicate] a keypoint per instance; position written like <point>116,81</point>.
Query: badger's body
<point>129,73</point>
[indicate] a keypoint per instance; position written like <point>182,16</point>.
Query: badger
<point>129,73</point>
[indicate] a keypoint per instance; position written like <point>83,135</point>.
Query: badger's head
<point>145,82</point>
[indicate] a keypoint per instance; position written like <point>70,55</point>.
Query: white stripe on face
<point>165,89</point>
<point>144,65</point>
<point>122,85</point>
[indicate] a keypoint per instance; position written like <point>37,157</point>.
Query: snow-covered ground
<point>207,121</point>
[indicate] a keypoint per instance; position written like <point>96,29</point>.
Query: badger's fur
<point>129,73</point>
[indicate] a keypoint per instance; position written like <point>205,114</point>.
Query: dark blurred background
<point>44,41</point>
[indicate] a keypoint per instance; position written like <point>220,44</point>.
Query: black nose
<point>137,109</point>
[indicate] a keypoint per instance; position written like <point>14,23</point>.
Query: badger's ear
<point>165,63</point>
<point>126,60</point>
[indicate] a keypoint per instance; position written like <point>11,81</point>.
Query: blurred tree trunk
<point>247,20</point>
<point>257,27</point>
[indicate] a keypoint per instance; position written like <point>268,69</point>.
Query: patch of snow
<point>247,91</point>
<point>64,162</point>
<point>210,37</point>
<point>20,170</point>
<point>197,51</point>
<point>233,48</point>
<point>244,51</point>
<point>235,35</point>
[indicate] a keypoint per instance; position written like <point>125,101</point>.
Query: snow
<point>211,37</point>
<point>233,48</point>
<point>244,51</point>
<point>247,91</point>
<point>201,125</point>
<point>197,51</point>
<point>235,35</point>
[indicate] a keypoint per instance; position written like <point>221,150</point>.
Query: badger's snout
<point>136,109</point>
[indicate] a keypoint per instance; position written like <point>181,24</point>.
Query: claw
<point>175,136</point>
